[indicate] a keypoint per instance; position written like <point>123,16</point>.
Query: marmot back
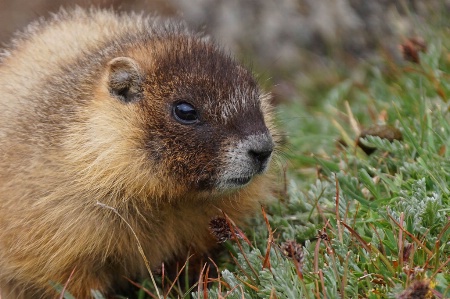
<point>135,113</point>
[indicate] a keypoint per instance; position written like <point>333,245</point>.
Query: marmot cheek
<point>244,159</point>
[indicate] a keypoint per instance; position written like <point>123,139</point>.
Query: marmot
<point>131,112</point>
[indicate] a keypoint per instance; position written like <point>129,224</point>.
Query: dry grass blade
<point>65,285</point>
<point>428,251</point>
<point>236,262</point>
<point>219,287</point>
<point>178,276</point>
<point>266,262</point>
<point>231,291</point>
<point>440,268</point>
<point>272,294</point>
<point>138,285</point>
<point>338,218</point>
<point>141,250</point>
<point>353,122</point>
<point>200,288</point>
<point>316,269</point>
<point>446,227</point>
<point>400,241</point>
<point>237,232</point>
<point>366,246</point>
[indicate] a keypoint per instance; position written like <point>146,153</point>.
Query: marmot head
<point>199,120</point>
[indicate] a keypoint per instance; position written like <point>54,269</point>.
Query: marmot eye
<point>185,113</point>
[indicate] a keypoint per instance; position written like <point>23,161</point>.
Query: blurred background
<point>292,44</point>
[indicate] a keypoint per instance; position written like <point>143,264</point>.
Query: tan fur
<point>67,144</point>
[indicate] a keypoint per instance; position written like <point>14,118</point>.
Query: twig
<point>338,219</point>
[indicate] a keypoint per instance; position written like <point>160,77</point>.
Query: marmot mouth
<point>240,181</point>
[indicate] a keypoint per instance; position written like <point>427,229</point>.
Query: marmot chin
<point>135,113</point>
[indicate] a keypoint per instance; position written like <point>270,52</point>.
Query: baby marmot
<point>133,113</point>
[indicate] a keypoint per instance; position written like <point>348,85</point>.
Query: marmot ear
<point>125,79</point>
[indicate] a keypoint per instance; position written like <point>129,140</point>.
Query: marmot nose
<point>261,156</point>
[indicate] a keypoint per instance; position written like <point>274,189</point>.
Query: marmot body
<point>131,112</point>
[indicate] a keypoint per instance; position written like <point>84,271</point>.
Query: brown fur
<point>67,143</point>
